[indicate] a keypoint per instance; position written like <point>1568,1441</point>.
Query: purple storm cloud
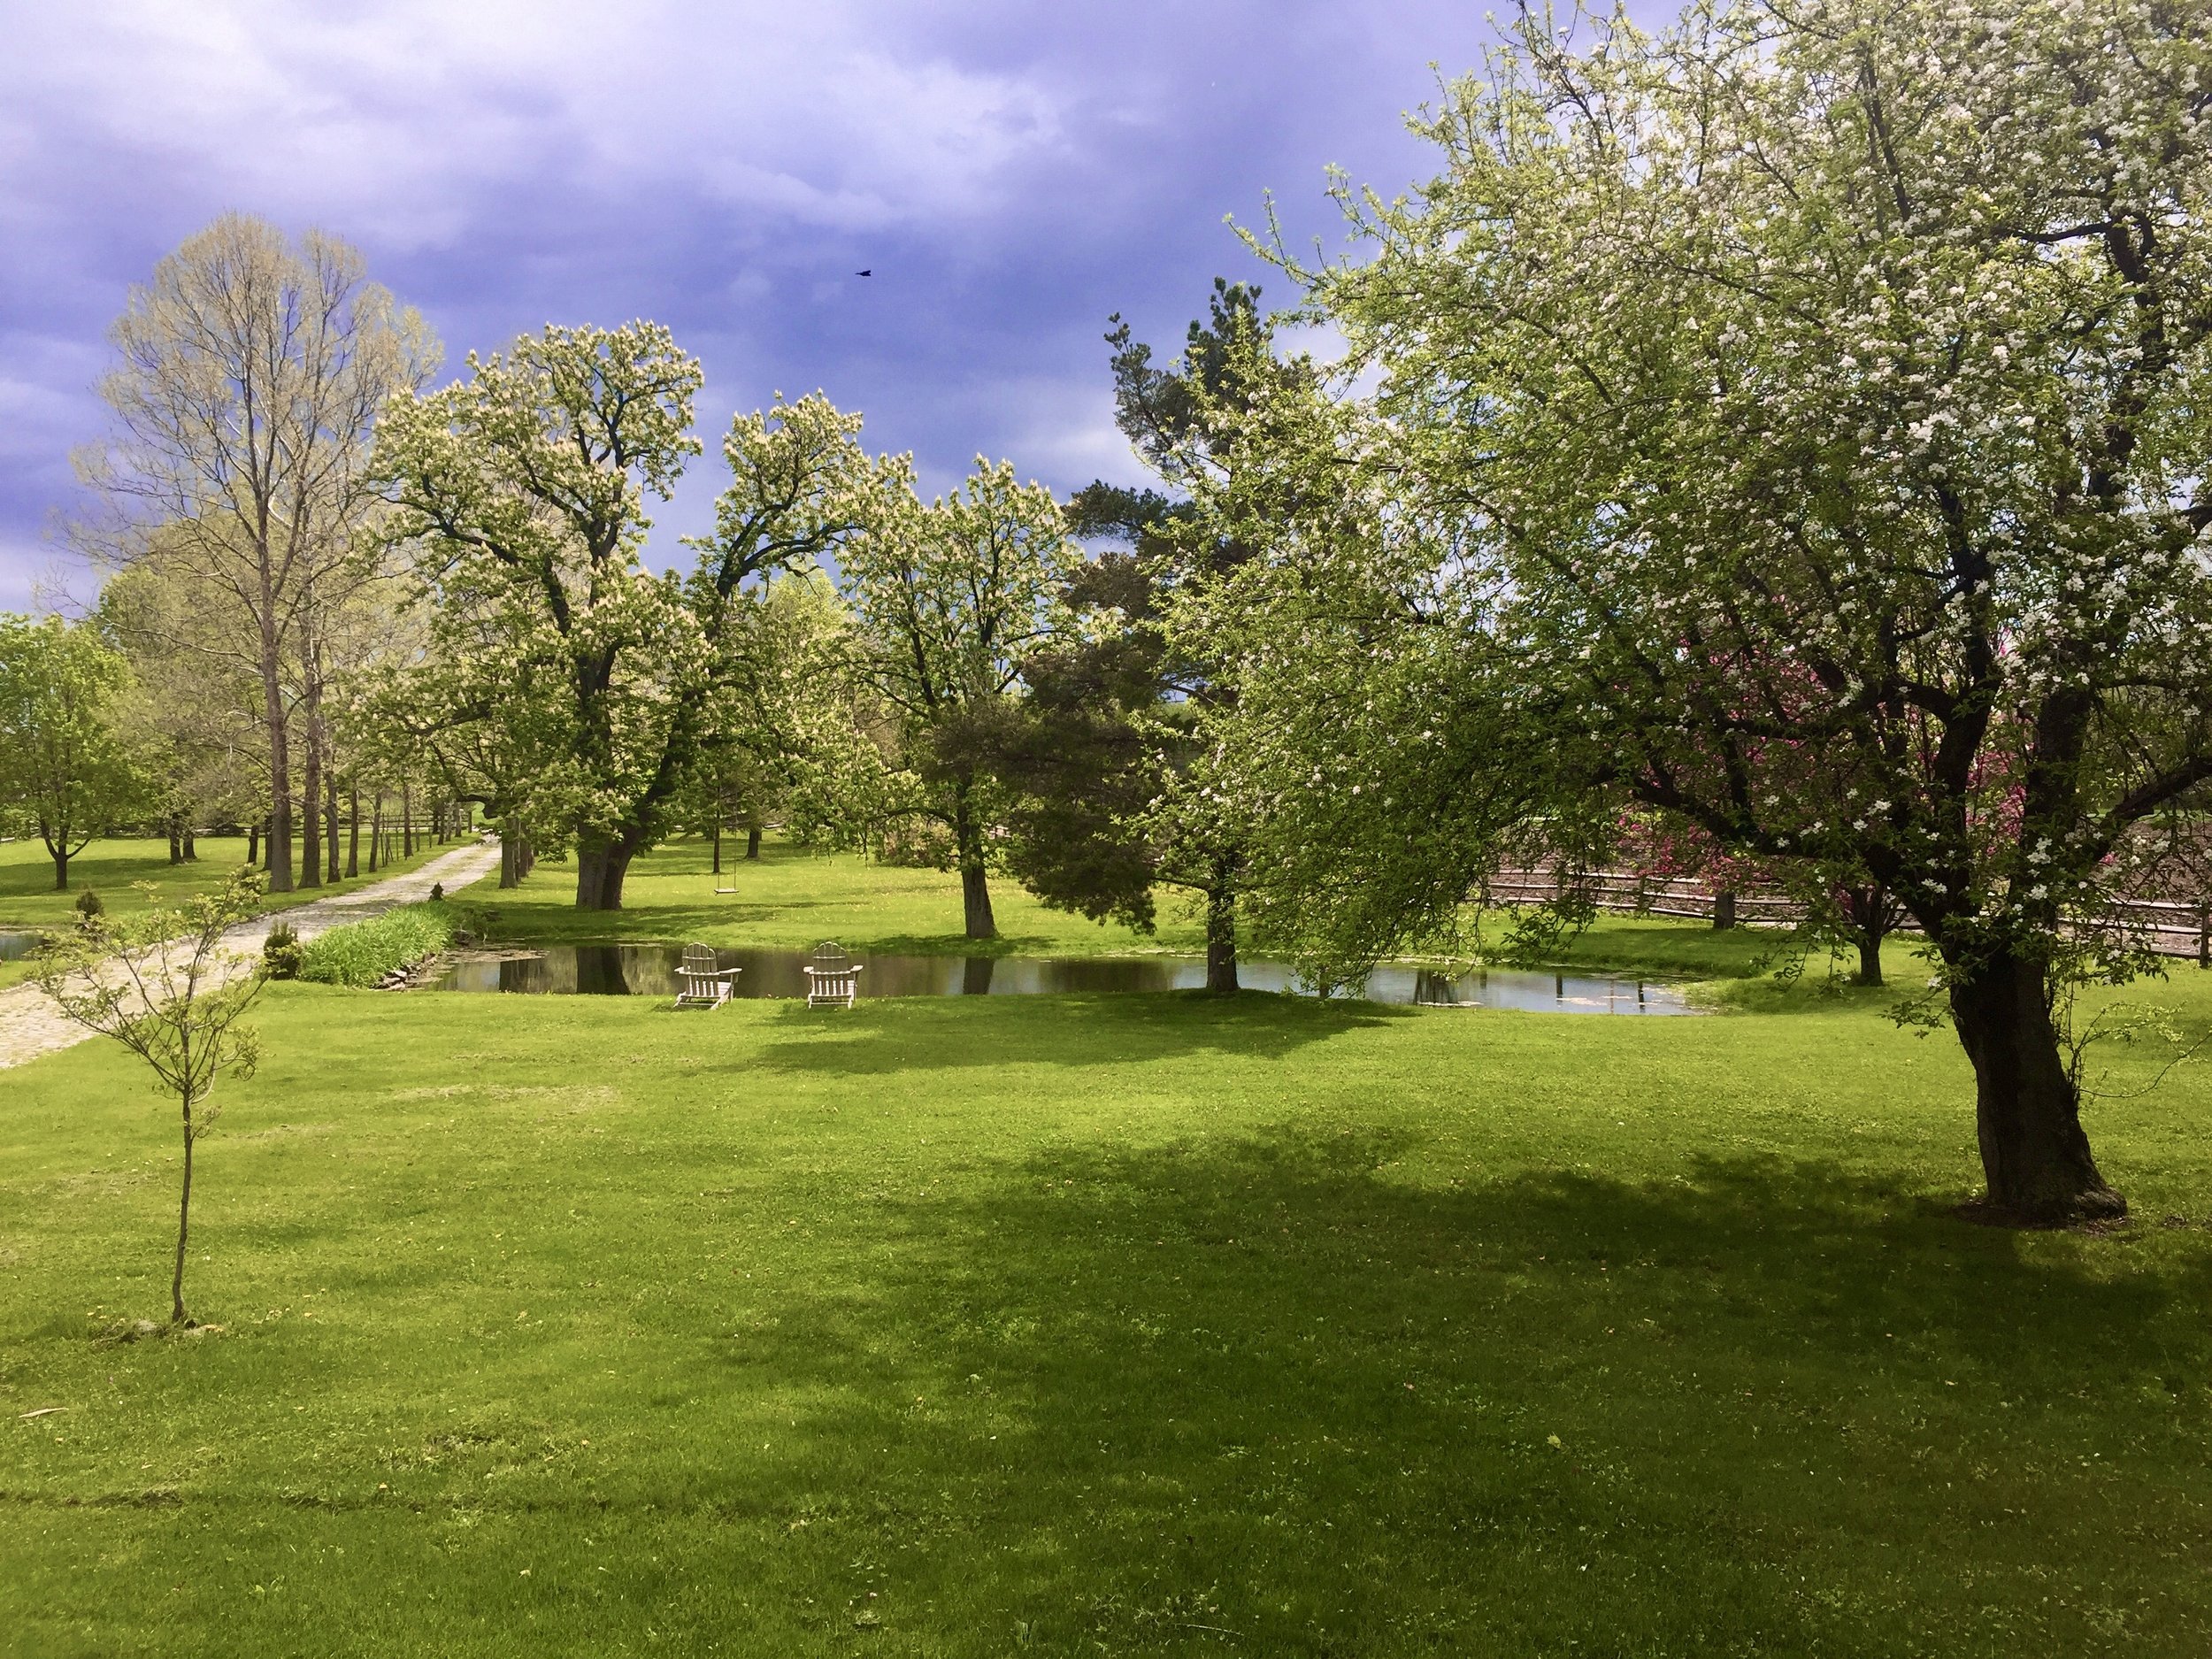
<point>1007,173</point>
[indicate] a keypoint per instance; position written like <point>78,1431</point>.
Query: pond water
<point>16,945</point>
<point>650,970</point>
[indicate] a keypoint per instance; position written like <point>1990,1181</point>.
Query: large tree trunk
<point>511,852</point>
<point>2027,1110</point>
<point>1868,910</point>
<point>975,887</point>
<point>61,865</point>
<point>752,841</point>
<point>1221,941</point>
<point>191,853</point>
<point>176,838</point>
<point>600,865</point>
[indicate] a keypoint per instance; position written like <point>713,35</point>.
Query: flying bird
<point>871,271</point>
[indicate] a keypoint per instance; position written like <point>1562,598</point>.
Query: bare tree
<point>251,370</point>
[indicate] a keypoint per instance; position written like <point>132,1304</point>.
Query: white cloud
<point>388,120</point>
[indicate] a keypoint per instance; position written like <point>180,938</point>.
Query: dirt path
<point>31,1025</point>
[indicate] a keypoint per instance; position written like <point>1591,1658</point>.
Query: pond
<point>15,944</point>
<point>612,970</point>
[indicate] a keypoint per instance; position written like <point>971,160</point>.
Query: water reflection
<point>14,946</point>
<point>611,970</point>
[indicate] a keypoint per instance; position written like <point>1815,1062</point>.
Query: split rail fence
<point>2167,928</point>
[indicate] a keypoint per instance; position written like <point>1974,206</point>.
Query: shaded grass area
<point>1140,1325</point>
<point>791,898</point>
<point>114,867</point>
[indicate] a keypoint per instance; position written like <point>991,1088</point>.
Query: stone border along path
<point>31,1025</point>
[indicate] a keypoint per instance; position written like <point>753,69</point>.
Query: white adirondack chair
<point>700,979</point>
<point>832,978</point>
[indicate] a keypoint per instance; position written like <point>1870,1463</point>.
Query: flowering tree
<point>947,596</point>
<point>522,492</point>
<point>1797,425</point>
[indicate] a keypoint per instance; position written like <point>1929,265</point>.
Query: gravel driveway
<point>31,1025</point>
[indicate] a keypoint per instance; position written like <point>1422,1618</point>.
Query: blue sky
<point>1011,174</point>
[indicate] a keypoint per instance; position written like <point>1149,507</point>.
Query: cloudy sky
<point>1011,174</point>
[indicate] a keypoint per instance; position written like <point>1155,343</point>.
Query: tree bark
<point>1221,941</point>
<point>1724,910</point>
<point>191,853</point>
<point>1868,910</point>
<point>752,841</point>
<point>176,838</point>
<point>511,852</point>
<point>280,848</point>
<point>311,871</point>
<point>253,843</point>
<point>600,865</point>
<point>330,818</point>
<point>406,819</point>
<point>975,889</point>
<point>376,832</point>
<point>353,830</point>
<point>61,867</point>
<point>2027,1110</point>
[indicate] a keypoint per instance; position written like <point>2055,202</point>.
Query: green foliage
<point>89,907</point>
<point>949,597</point>
<point>283,953</point>
<point>574,682</point>
<point>361,953</point>
<point>71,768</point>
<point>1794,426</point>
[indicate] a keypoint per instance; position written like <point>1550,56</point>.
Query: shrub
<point>437,891</point>
<point>283,952</point>
<point>90,907</point>
<point>363,952</point>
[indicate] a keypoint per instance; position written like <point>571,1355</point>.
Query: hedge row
<point>362,953</point>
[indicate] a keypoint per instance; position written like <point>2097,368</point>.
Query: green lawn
<point>112,868</point>
<point>790,897</point>
<point>794,898</point>
<point>1136,1324</point>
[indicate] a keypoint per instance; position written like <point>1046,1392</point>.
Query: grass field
<point>112,868</point>
<point>1135,1325</point>
<point>793,899</point>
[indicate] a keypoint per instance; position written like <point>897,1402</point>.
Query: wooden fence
<point>2167,928</point>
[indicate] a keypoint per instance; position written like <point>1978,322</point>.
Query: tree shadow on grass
<point>1768,1406</point>
<point>917,1034</point>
